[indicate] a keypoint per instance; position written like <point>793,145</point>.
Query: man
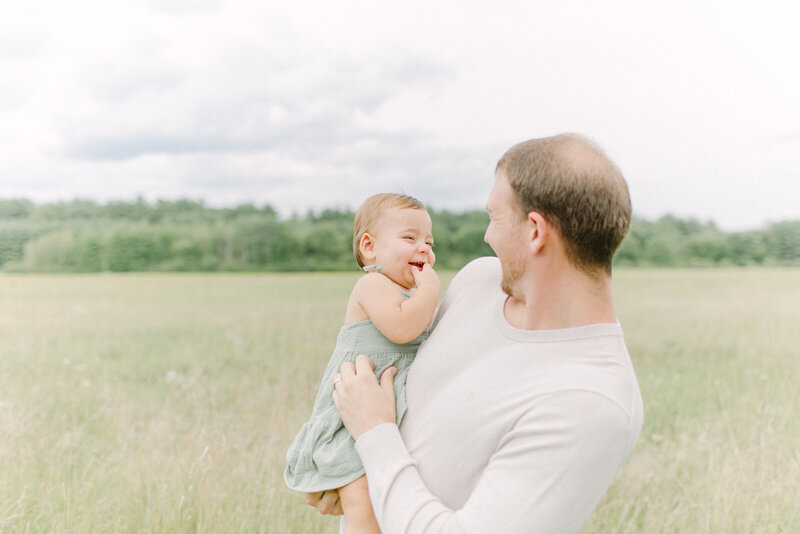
<point>523,403</point>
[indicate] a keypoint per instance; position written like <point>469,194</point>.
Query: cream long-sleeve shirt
<point>507,430</point>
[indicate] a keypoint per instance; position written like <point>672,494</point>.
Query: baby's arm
<point>400,320</point>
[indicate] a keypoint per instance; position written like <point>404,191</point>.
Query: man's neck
<point>564,298</point>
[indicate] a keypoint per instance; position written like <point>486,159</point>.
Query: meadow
<point>165,402</point>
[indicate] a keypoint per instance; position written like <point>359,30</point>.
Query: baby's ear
<point>366,245</point>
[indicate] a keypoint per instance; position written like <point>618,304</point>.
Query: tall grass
<point>165,403</point>
<point>158,403</point>
<point>718,358</point>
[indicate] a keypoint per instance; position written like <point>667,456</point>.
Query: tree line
<point>187,235</point>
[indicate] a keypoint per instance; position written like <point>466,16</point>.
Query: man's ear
<point>366,245</point>
<point>539,231</point>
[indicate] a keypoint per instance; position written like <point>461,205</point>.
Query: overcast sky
<point>318,104</point>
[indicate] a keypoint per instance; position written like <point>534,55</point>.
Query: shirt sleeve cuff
<point>381,448</point>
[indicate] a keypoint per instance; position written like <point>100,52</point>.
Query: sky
<point>309,104</point>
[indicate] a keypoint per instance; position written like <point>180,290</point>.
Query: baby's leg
<point>358,515</point>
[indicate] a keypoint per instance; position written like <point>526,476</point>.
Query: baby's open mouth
<point>417,264</point>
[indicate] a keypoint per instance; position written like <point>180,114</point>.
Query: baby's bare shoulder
<point>375,287</point>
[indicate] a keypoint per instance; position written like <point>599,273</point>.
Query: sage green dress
<point>322,455</point>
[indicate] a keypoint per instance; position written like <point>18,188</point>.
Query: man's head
<point>577,189</point>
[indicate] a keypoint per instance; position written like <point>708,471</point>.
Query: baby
<point>387,317</point>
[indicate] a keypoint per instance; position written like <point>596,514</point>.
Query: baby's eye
<point>409,237</point>
<point>429,243</point>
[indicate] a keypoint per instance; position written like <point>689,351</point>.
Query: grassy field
<point>164,403</point>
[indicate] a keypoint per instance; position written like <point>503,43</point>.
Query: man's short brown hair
<point>371,210</point>
<point>572,184</point>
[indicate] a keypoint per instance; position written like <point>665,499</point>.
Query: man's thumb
<point>387,380</point>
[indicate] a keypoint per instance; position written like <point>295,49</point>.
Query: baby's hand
<point>427,276</point>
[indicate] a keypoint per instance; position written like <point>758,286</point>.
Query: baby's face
<point>403,241</point>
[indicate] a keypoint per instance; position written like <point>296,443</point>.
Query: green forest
<point>187,235</point>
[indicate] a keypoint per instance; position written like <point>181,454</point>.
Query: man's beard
<point>513,270</point>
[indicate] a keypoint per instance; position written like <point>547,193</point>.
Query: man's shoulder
<point>478,277</point>
<point>482,264</point>
<point>485,269</point>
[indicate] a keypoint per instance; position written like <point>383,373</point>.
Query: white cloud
<point>310,104</point>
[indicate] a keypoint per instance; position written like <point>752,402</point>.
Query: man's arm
<point>547,475</point>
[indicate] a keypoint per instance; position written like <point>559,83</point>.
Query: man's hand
<point>361,401</point>
<point>327,502</point>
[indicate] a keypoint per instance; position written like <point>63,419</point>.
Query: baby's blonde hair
<point>371,210</point>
